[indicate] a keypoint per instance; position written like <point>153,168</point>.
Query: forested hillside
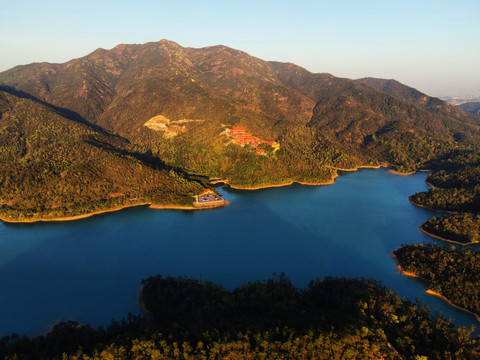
<point>135,124</point>
<point>54,166</point>
<point>456,189</point>
<point>163,106</point>
<point>201,92</point>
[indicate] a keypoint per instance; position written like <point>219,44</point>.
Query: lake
<point>90,270</point>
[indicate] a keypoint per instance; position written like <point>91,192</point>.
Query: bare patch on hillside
<point>169,127</point>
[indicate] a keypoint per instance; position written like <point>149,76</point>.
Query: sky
<point>433,46</point>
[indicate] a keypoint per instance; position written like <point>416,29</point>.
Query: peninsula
<point>451,274</point>
<point>455,190</point>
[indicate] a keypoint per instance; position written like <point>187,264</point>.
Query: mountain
<point>392,122</point>
<point>419,99</point>
<point>124,87</point>
<point>55,164</point>
<point>177,104</point>
<point>470,107</point>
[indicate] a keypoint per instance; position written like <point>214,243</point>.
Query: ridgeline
<point>165,109</point>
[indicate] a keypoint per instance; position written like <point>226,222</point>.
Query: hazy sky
<point>431,45</point>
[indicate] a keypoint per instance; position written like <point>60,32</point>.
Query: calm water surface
<point>90,270</point>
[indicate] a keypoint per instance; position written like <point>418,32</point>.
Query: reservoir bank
<point>90,270</point>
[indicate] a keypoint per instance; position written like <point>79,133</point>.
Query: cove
<point>90,270</point>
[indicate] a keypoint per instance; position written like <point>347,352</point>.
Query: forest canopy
<point>332,319</point>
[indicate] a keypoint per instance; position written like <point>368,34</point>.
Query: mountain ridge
<point>321,121</point>
<point>223,75</point>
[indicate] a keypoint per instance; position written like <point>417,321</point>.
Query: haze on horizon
<point>429,45</point>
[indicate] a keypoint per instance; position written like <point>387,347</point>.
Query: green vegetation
<point>53,167</point>
<point>332,319</point>
<point>464,228</point>
<point>56,164</point>
<point>457,179</point>
<point>345,123</point>
<point>399,126</point>
<point>200,150</point>
<point>453,200</point>
<point>464,177</point>
<point>452,273</point>
<point>458,169</point>
<point>59,159</point>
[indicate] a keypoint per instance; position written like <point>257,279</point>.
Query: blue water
<point>90,270</point>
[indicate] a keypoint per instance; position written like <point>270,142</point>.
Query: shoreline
<point>359,167</point>
<point>73,217</point>
<point>329,182</point>
<point>396,172</point>
<point>436,210</point>
<point>170,207</point>
<point>444,239</point>
<point>210,206</point>
<point>99,212</point>
<point>432,292</point>
<point>215,181</point>
<point>407,273</point>
<point>288,183</point>
<point>404,272</point>
<point>141,304</point>
<point>390,170</point>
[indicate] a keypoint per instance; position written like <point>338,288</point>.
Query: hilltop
<point>124,87</point>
